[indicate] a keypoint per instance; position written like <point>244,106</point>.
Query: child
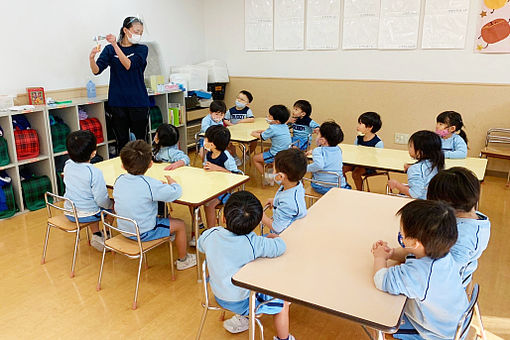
<point>302,125</point>
<point>85,185</point>
<point>368,124</point>
<point>217,158</point>
<point>241,113</point>
<point>215,117</point>
<point>278,132</point>
<point>165,147</point>
<point>136,197</point>
<point>228,249</point>
<point>453,139</point>
<point>429,276</point>
<point>327,157</point>
<point>425,147</point>
<point>289,202</point>
<point>460,188</point>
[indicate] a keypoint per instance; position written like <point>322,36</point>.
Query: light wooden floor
<point>41,301</point>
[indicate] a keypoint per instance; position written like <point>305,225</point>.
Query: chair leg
<point>137,282</point>
<point>222,315</point>
<point>76,242</point>
<point>145,262</point>
<point>43,260</point>
<point>98,287</point>
<point>172,269</point>
<point>479,316</point>
<point>202,322</point>
<point>508,179</point>
<point>261,328</point>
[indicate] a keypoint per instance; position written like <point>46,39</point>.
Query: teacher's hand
<point>93,52</point>
<point>111,39</point>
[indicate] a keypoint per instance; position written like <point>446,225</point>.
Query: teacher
<point>128,102</point>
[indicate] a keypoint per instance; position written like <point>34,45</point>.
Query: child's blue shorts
<point>243,307</point>
<point>302,142</point>
<point>268,157</point>
<point>88,219</point>
<point>161,230</point>
<point>406,331</point>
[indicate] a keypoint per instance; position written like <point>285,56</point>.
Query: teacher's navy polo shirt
<point>127,87</point>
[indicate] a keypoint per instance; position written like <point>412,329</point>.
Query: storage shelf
<point>60,153</point>
<point>33,160</point>
<point>8,166</point>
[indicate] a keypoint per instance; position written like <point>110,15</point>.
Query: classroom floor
<point>41,301</point>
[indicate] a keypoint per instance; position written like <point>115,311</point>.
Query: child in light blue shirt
<point>85,185</point>
<point>165,147</point>
<point>327,156</point>
<point>278,132</point>
<point>428,276</point>
<point>425,147</point>
<point>136,197</point>
<point>302,125</point>
<point>215,117</point>
<point>289,202</point>
<point>453,139</point>
<point>228,249</point>
<point>460,188</point>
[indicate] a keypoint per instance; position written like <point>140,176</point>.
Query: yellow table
<point>198,185</point>
<point>328,264</point>
<point>394,160</point>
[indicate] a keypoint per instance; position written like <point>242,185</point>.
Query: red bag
<point>27,143</point>
<point>94,126</point>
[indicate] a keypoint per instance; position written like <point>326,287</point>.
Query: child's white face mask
<point>135,38</point>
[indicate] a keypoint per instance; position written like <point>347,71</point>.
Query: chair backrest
<point>326,184</point>
<point>497,135</point>
<point>51,200</point>
<point>205,280</point>
<point>465,320</point>
<point>106,224</point>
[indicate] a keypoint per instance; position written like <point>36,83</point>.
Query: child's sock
<point>98,233</point>
<point>183,259</point>
<point>287,338</point>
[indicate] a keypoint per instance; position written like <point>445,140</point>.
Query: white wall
<point>225,40</point>
<point>47,43</point>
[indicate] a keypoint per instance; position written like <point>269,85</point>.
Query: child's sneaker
<point>189,261</point>
<point>238,160</point>
<point>237,324</point>
<point>97,242</point>
<point>172,237</point>
<point>269,179</point>
<point>193,241</point>
<point>291,337</point>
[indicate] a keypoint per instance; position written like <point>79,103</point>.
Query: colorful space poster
<point>493,34</point>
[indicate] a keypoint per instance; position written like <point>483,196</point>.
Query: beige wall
<point>404,106</point>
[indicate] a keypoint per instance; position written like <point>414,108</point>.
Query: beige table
<point>328,264</point>
<point>198,185</point>
<point>394,160</point>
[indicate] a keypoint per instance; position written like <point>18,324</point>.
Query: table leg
<point>194,220</point>
<point>244,157</point>
<point>252,315</point>
<point>380,335</point>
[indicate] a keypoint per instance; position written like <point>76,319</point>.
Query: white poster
<point>289,25</point>
<point>445,24</point>
<point>399,24</point>
<point>258,25</point>
<point>361,24</point>
<point>322,24</point>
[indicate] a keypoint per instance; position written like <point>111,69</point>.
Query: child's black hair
<point>219,136</point>
<point>305,106</point>
<point>332,132</point>
<point>127,23</point>
<point>452,118</point>
<point>456,186</point>
<point>427,145</point>
<point>432,223</point>
<point>168,135</point>
<point>80,145</point>
<point>243,212</point>
<point>248,95</point>
<point>136,157</point>
<point>371,119</point>
<point>218,106</point>
<point>292,162</point>
<point>280,113</point>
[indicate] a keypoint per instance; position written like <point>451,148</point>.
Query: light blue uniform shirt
<point>454,147</point>
<point>437,299</point>
<point>418,178</point>
<point>137,196</point>
<point>227,253</point>
<point>327,158</point>
<point>280,137</point>
<point>288,205</point>
<point>234,115</point>
<point>472,241</point>
<point>207,121</point>
<point>170,154</point>
<point>85,186</point>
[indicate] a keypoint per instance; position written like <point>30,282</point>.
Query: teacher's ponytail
<point>128,22</point>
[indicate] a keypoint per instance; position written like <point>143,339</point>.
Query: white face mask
<point>279,182</point>
<point>240,105</point>
<point>269,121</point>
<point>135,38</point>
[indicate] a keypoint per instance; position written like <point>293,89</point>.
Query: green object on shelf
<point>59,133</point>
<point>156,117</point>
<point>33,191</point>
<point>64,102</point>
<point>4,153</point>
<point>173,116</point>
<point>10,201</point>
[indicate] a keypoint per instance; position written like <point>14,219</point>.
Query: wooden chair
<point>465,321</point>
<point>129,248</point>
<point>497,145</point>
<point>366,176</point>
<point>311,194</point>
<point>208,306</point>
<point>60,221</point>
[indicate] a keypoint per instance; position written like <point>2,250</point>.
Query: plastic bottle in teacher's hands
<point>91,89</point>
